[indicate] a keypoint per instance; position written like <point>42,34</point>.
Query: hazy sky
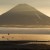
<point>41,5</point>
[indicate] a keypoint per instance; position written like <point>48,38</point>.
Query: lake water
<point>24,30</point>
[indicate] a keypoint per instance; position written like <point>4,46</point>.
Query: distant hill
<point>24,14</point>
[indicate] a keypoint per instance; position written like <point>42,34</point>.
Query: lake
<point>24,30</point>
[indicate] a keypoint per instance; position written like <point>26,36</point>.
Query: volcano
<point>24,14</point>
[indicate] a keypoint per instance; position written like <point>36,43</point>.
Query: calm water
<point>25,30</point>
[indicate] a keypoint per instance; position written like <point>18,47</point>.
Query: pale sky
<point>41,5</point>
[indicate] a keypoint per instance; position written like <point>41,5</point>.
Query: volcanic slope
<point>24,14</point>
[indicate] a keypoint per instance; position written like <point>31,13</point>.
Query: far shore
<point>27,26</point>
